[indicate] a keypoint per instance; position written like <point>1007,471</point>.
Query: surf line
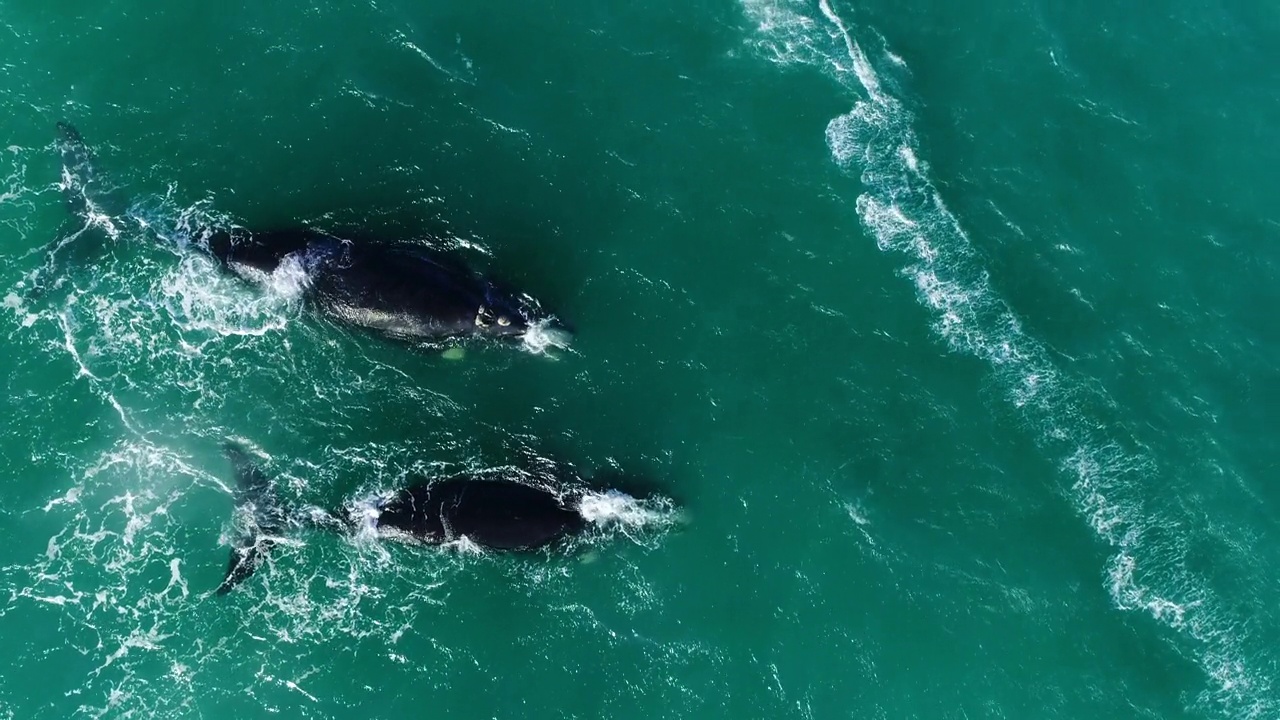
<point>1107,468</point>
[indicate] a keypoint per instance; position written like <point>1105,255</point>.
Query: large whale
<point>399,290</point>
<point>498,510</point>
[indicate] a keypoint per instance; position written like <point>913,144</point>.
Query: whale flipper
<point>245,558</point>
<point>256,494</point>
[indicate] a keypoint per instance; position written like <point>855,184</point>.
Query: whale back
<point>400,290</point>
<point>500,514</point>
<point>258,254</point>
<point>414,292</point>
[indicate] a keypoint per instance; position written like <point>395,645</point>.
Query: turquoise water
<point>950,328</point>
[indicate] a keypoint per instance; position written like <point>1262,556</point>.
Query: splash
<point>614,507</point>
<point>544,336</point>
<point>642,521</point>
<point>201,300</point>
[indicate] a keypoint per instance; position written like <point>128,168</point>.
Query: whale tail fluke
<point>95,210</point>
<point>88,195</point>
<point>78,170</point>
<point>258,511</point>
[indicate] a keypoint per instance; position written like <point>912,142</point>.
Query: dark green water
<point>951,327</point>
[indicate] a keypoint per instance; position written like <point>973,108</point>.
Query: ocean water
<point>949,327</point>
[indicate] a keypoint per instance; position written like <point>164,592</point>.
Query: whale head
<point>519,317</point>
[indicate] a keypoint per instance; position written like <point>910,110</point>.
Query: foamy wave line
<point>906,214</point>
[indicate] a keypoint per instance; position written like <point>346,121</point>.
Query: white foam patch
<point>14,183</point>
<point>14,303</point>
<point>614,507</point>
<point>201,298</point>
<point>642,521</point>
<point>366,512</point>
<point>465,546</point>
<point>102,566</point>
<point>543,336</point>
<point>906,215</point>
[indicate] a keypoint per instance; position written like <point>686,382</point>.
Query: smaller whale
<point>498,510</point>
<point>399,290</point>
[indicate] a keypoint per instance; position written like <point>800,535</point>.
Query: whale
<point>505,510</point>
<point>399,290</point>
